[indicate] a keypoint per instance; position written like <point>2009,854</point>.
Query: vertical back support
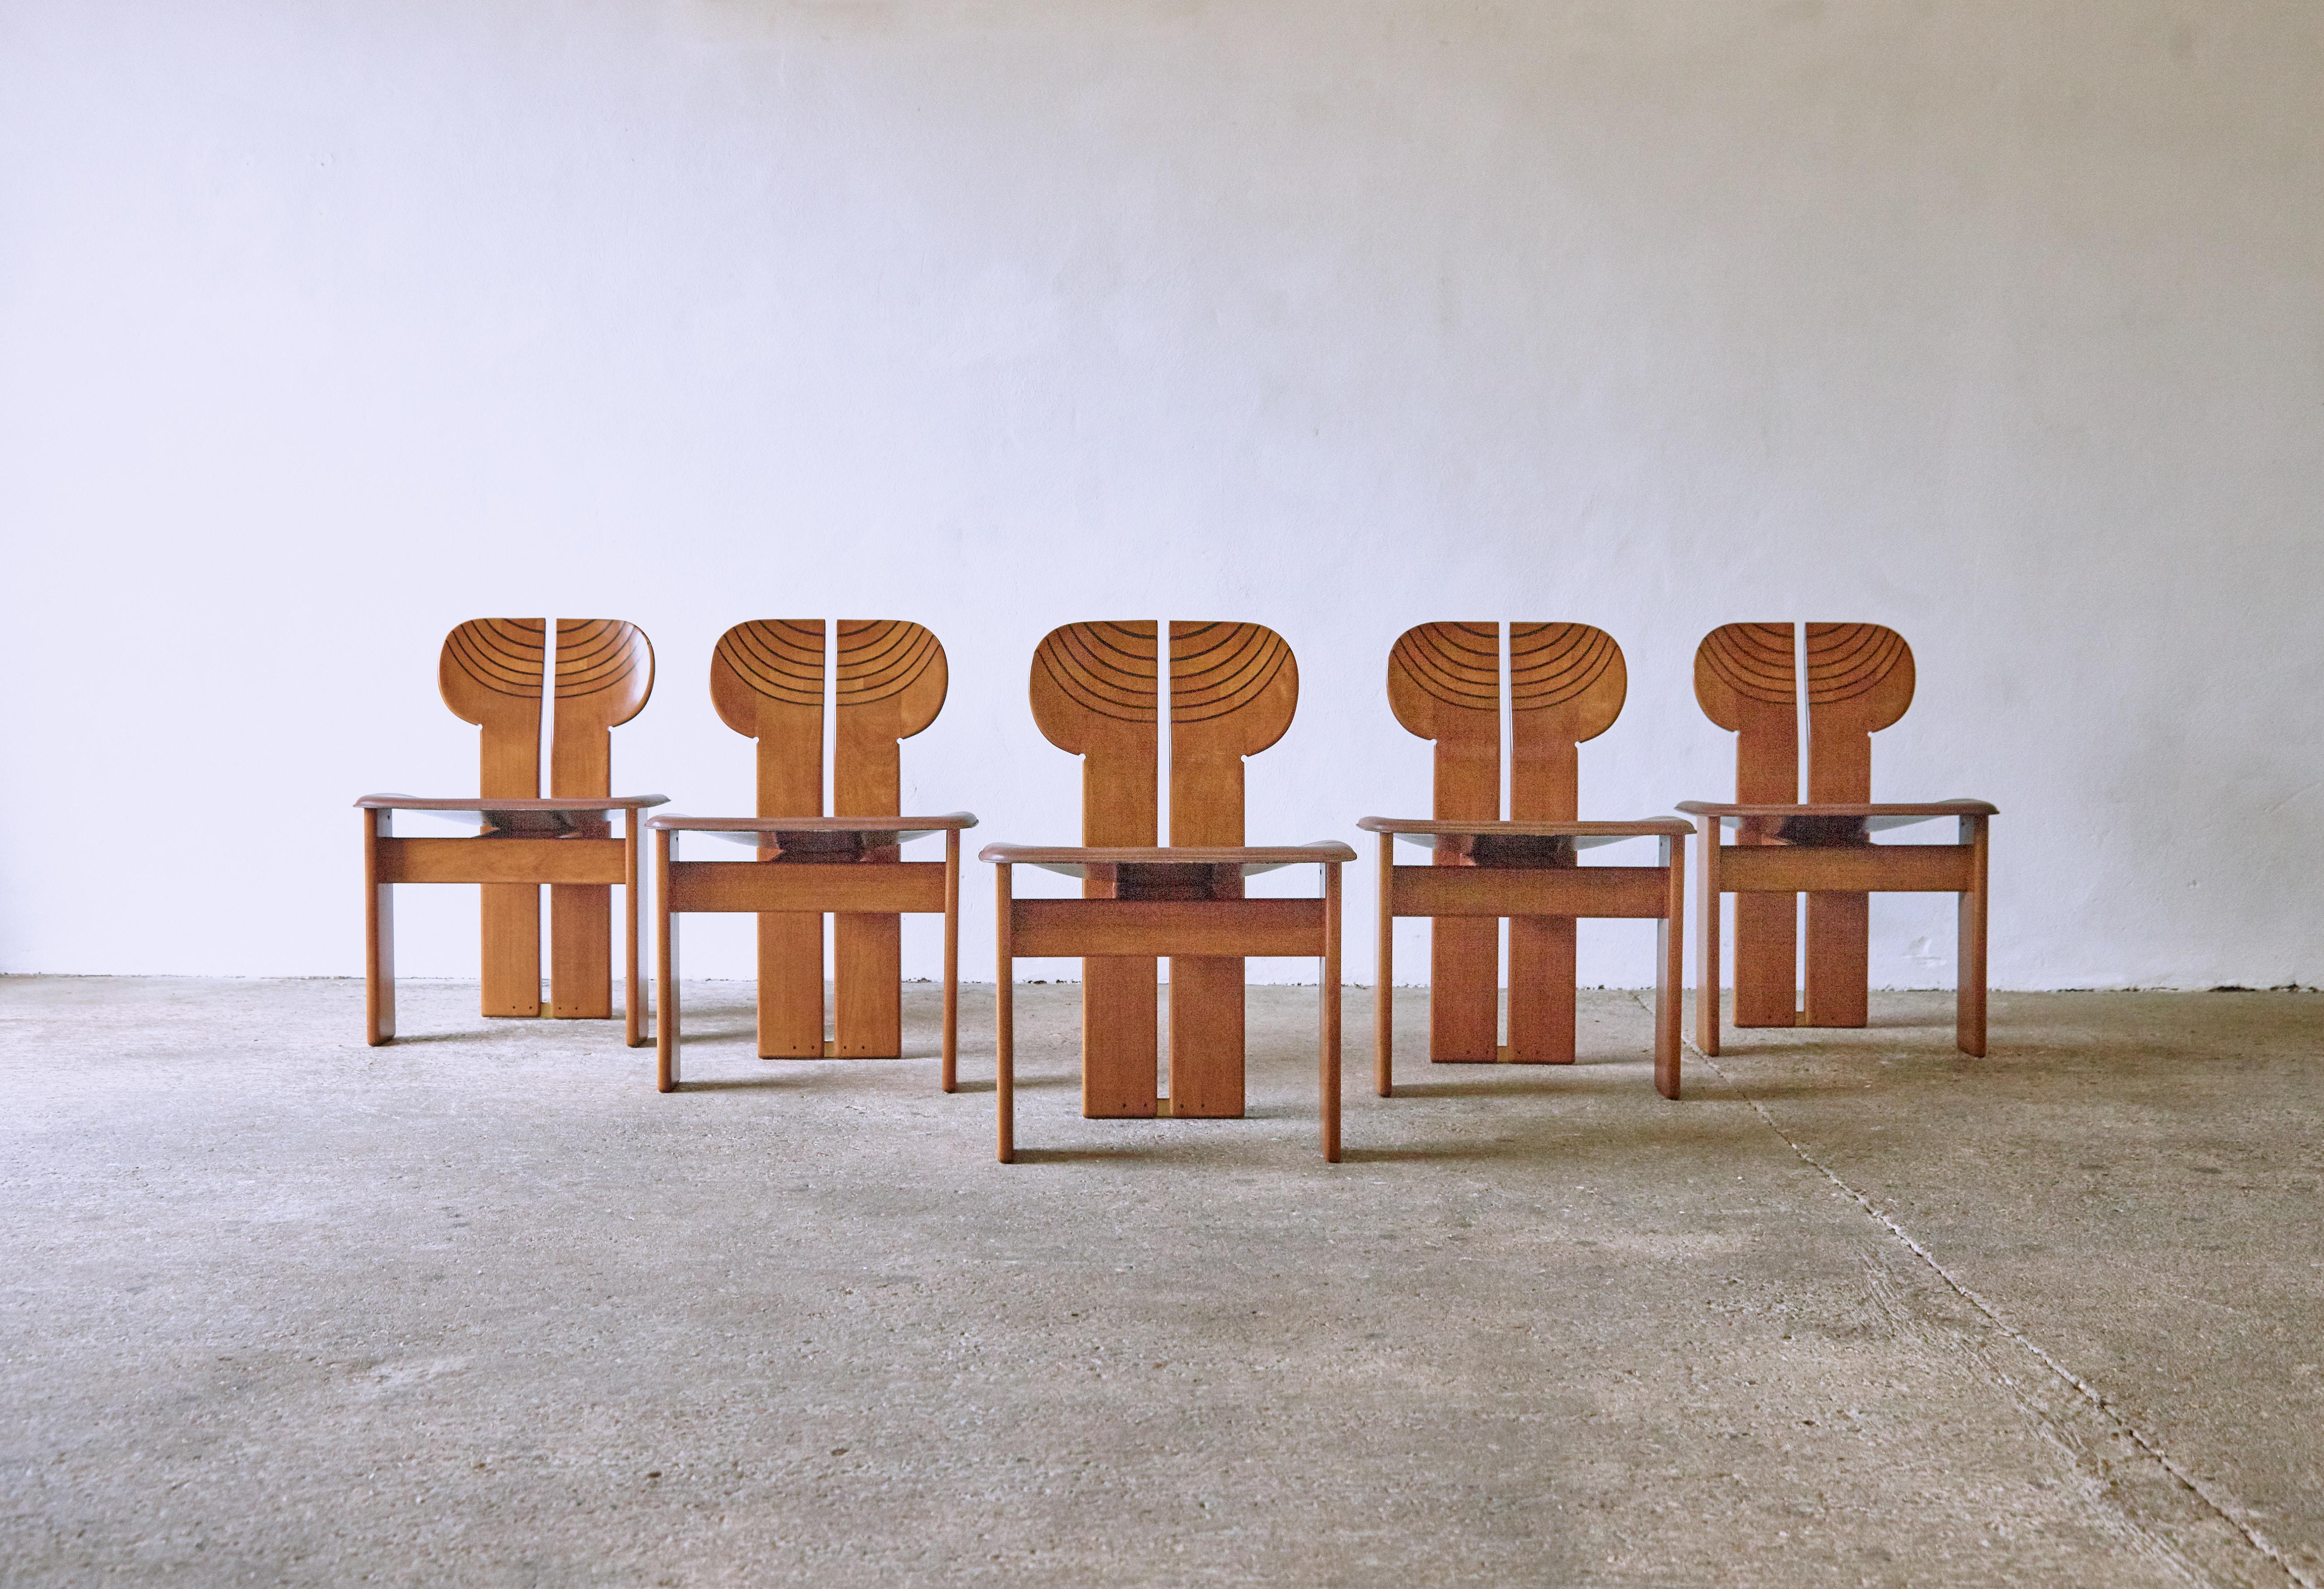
<point>1744,678</point>
<point>604,672</point>
<point>490,674</point>
<point>1860,680</point>
<point>1444,684</point>
<point>1234,689</point>
<point>766,681</point>
<point>890,684</point>
<point>1096,692</point>
<point>1567,685</point>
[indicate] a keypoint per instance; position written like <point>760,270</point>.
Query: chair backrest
<point>1567,685</point>
<point>492,673</point>
<point>767,682</point>
<point>1096,692</point>
<point>1860,680</point>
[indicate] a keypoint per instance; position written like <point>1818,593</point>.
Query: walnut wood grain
<point>1096,692</point>
<point>1444,685</point>
<point>888,681</point>
<point>604,676</point>
<point>1745,678</point>
<point>1566,684</point>
<point>493,672</point>
<point>1233,690</point>
<point>1859,678</point>
<point>767,684</point>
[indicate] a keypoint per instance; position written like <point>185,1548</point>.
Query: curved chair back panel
<point>1567,683</point>
<point>890,685</point>
<point>1444,684</point>
<point>1744,676</point>
<point>1233,690</point>
<point>604,676</point>
<point>1859,682</point>
<point>766,681</point>
<point>490,674</point>
<point>1096,692</point>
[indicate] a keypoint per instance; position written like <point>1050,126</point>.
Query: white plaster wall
<point>326,325</point>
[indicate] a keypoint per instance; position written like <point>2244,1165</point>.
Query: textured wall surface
<point>324,328</point>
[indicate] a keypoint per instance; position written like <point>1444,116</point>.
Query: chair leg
<point>1330,1023</point>
<point>1766,952</point>
<point>666,1000</point>
<point>1541,990</point>
<point>1670,969</point>
<point>867,1014</point>
<point>580,951</point>
<point>952,962</point>
<point>1384,999</point>
<point>1464,973</point>
<point>1206,1038</point>
<point>790,985</point>
<point>379,937</point>
<point>1004,1008</point>
<point>512,948</point>
<point>1838,960</point>
<point>1969,962</point>
<point>633,992</point>
<point>1121,1032</point>
<point>1708,966</point>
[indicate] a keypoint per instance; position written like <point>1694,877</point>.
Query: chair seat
<point>535,818</point>
<point>1075,860</point>
<point>1835,822</point>
<point>1581,836</point>
<point>820,837</point>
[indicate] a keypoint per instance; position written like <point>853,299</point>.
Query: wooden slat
<point>1236,928</point>
<point>1628,891</point>
<point>1096,693</point>
<point>604,674</point>
<point>492,673</point>
<point>1942,869</point>
<point>1444,685</point>
<point>1234,689</point>
<point>1745,677</point>
<point>767,684</point>
<point>1860,680</point>
<point>527,862</point>
<point>785,887</point>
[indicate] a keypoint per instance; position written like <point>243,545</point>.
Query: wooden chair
<point>1860,680</point>
<point>492,675</point>
<point>1096,692</point>
<point>767,681</point>
<point>1566,684</point>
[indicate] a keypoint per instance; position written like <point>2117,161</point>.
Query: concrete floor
<point>482,1307</point>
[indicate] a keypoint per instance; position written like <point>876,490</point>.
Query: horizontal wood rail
<point>504,860</point>
<point>804,885</point>
<point>1639,892</point>
<point>1783,869</point>
<point>1240,929</point>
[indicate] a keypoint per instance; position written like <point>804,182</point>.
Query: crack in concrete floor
<point>482,1306</point>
